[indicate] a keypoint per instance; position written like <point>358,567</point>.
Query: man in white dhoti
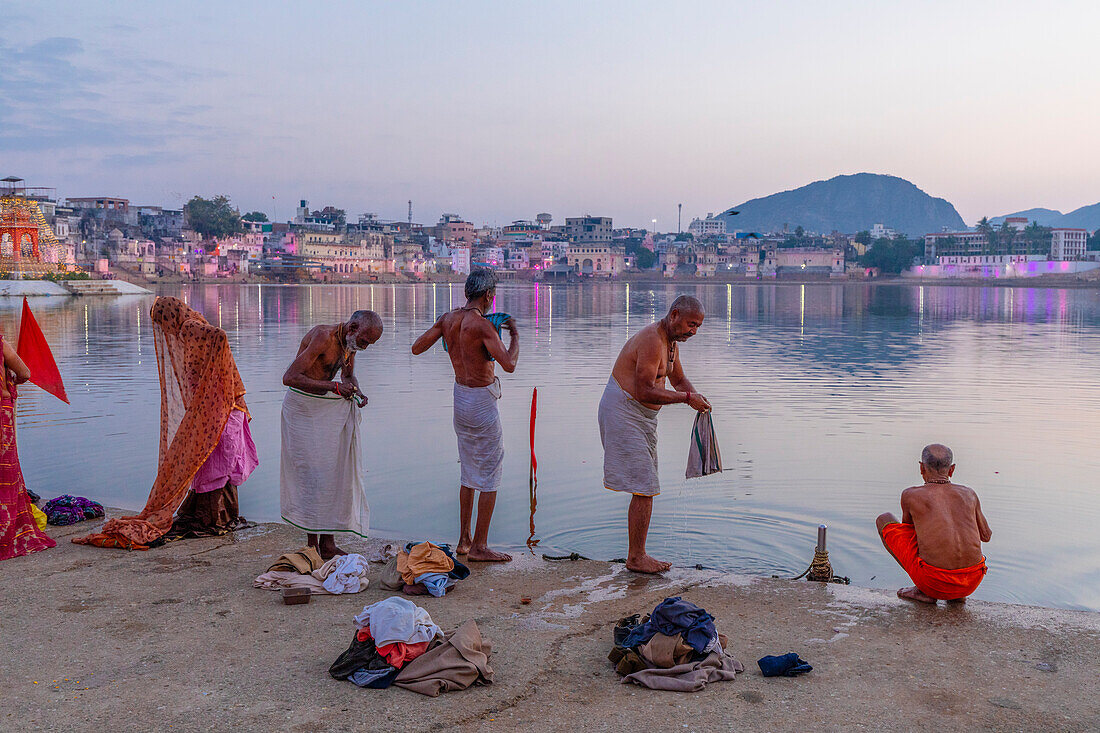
<point>472,342</point>
<point>320,476</point>
<point>628,417</point>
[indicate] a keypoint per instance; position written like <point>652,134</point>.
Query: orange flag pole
<point>35,353</point>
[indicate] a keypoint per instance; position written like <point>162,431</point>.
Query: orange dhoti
<point>938,583</point>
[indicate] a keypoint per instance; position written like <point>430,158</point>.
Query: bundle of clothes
<point>397,643</point>
<point>66,509</point>
<point>304,568</point>
<point>675,648</point>
<point>423,569</point>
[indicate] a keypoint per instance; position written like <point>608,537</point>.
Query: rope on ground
<point>821,570</point>
<point>574,556</point>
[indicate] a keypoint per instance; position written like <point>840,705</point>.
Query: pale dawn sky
<point>500,110</point>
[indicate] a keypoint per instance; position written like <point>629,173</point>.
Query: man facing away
<point>628,417</point>
<point>472,343</point>
<point>938,541</point>
<point>320,482</point>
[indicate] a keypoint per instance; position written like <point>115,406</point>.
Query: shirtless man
<point>320,486</point>
<point>472,343</point>
<point>938,541</point>
<point>628,417</point>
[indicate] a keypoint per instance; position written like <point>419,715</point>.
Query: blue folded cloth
<point>436,583</point>
<point>787,665</point>
<point>674,616</point>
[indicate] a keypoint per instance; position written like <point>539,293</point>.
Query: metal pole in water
<point>821,529</point>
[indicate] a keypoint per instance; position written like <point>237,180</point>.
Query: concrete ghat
<point>180,634</point>
<point>30,288</point>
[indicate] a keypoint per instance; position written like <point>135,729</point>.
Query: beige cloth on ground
<point>628,431</point>
<point>314,581</point>
<point>480,436</point>
<point>391,577</point>
<point>461,660</point>
<point>691,676</point>
<point>302,560</point>
<point>320,476</point>
<point>666,651</point>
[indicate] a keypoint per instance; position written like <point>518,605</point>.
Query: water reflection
<point>823,396</point>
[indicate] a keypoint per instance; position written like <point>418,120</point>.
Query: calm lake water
<point>823,397</point>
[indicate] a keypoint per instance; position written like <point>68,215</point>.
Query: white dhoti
<point>628,431</point>
<point>480,436</point>
<point>320,479</point>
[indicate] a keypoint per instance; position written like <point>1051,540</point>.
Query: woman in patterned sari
<point>19,535</point>
<point>200,392</point>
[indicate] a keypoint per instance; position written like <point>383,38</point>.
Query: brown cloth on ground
<point>666,651</point>
<point>459,661</point>
<point>199,388</point>
<point>626,660</point>
<point>391,577</point>
<point>304,560</point>
<point>423,558</point>
<point>690,677</point>
<point>209,514</point>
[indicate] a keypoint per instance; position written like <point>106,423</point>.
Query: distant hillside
<point>1087,217</point>
<point>848,204</point>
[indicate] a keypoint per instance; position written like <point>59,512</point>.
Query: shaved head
<point>687,304</point>
<point>937,457</point>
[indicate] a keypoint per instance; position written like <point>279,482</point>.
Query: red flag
<point>35,353</point>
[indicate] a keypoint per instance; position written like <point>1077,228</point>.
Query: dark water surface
<point>823,397</point>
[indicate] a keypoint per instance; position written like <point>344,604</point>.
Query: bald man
<point>628,417</point>
<point>938,541</point>
<point>320,486</point>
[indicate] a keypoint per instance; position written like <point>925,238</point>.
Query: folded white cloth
<point>397,619</point>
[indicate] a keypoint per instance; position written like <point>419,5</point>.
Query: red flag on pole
<point>35,353</point>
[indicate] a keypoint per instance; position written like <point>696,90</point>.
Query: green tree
<point>685,237</point>
<point>1036,239</point>
<point>645,258</point>
<point>892,255</point>
<point>799,233</point>
<point>864,238</point>
<point>989,235</point>
<point>1006,238</point>
<point>213,217</point>
<point>1094,241</point>
<point>255,216</point>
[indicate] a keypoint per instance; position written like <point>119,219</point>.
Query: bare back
<point>465,331</point>
<point>949,524</point>
<point>651,347</point>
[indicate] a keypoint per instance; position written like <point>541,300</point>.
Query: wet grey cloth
<point>692,677</point>
<point>480,435</point>
<point>628,431</point>
<point>703,456</point>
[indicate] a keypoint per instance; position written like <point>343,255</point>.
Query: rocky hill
<point>847,204</point>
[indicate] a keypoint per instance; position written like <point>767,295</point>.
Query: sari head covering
<point>199,388</point>
<point>19,533</point>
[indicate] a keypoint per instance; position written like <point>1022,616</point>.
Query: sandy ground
<point>177,639</point>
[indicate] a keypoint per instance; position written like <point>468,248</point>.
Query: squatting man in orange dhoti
<point>938,541</point>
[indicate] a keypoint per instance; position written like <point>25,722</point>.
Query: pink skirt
<point>233,460</point>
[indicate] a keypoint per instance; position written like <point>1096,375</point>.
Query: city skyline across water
<point>824,395</point>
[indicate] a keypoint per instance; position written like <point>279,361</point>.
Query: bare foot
<point>464,546</point>
<point>913,594</point>
<point>327,553</point>
<point>484,554</point>
<point>647,564</point>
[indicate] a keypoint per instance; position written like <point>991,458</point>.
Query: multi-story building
<point>1068,244</point>
<point>597,260</point>
<point>461,260</point>
<point>709,227</point>
<point>881,231</point>
<point>802,261</point>
<point>588,229</point>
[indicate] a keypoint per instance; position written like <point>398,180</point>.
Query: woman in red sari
<point>19,535</point>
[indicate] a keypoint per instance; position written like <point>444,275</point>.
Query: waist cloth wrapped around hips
<point>480,435</point>
<point>628,431</point>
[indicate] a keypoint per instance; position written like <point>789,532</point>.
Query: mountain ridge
<point>848,203</point>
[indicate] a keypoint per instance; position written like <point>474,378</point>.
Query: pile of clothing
<point>423,569</point>
<point>304,568</point>
<point>397,643</point>
<point>68,509</point>
<point>675,648</point>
